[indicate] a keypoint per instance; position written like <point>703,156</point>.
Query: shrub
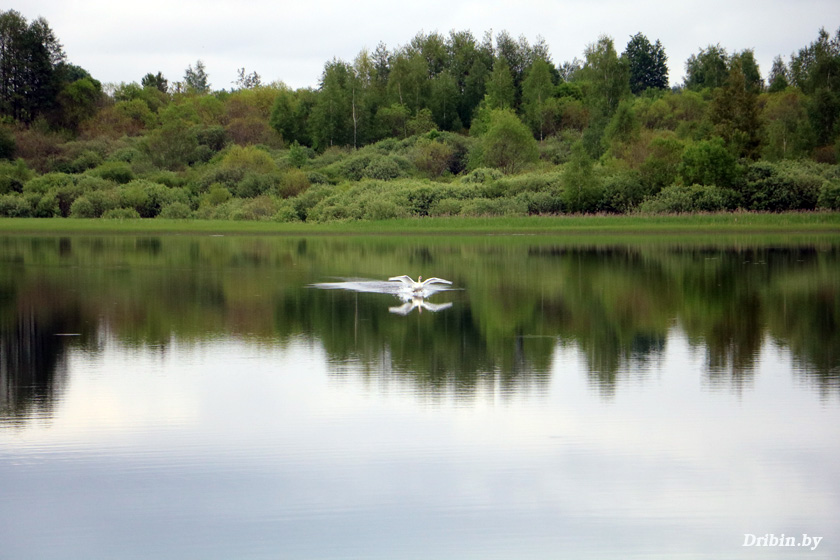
<point>13,175</point>
<point>84,161</point>
<point>249,158</point>
<point>45,183</point>
<point>507,144</point>
<point>293,182</point>
<point>14,206</point>
<point>82,207</point>
<point>482,175</point>
<point>175,211</point>
<point>678,199</point>
<point>830,195</point>
<point>255,184</point>
<point>446,207</point>
<point>378,209</point>
<point>383,168</point>
<point>708,162</point>
<point>121,214</point>
<point>116,171</point>
<point>480,207</point>
<point>432,158</point>
<point>779,187</point>
<point>286,212</point>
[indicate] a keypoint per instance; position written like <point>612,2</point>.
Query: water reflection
<point>413,297</point>
<point>517,302</point>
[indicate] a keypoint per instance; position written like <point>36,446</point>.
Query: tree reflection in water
<point>518,299</point>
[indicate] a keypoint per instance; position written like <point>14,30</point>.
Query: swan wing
<point>435,281</point>
<point>404,279</point>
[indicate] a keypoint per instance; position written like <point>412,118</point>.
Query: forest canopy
<point>446,124</point>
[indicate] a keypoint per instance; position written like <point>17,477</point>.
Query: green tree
<point>247,81</point>
<point>778,79</point>
<point>707,69</point>
<point>745,60</point>
<point>605,75</point>
<point>29,57</point>
<point>648,64</point>
<point>581,188</point>
<point>708,162</point>
<point>443,101</point>
<point>408,79</point>
<point>156,81</point>
<point>501,93</point>
<point>331,120</point>
<point>290,114</point>
<point>196,79</point>
<point>787,128</point>
<point>734,112</point>
<point>507,144</point>
<point>537,95</point>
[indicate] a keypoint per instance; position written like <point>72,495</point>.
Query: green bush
<point>286,212</point>
<point>116,171</point>
<point>446,207</point>
<point>708,162</point>
<point>482,175</point>
<point>13,175</point>
<point>830,195</point>
<point>678,199</point>
<point>14,206</point>
<point>82,207</point>
<point>293,182</point>
<point>255,184</point>
<point>175,211</point>
<point>383,168</point>
<point>84,161</point>
<point>777,187</point>
<point>48,182</point>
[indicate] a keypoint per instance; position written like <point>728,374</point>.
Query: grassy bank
<point>723,223</point>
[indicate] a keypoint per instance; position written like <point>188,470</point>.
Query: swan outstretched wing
<point>435,281</point>
<point>405,279</point>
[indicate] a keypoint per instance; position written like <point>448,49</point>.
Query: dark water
<point>199,397</point>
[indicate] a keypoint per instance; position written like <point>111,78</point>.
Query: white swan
<point>420,285</point>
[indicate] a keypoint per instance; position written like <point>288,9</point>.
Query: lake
<point>275,397</point>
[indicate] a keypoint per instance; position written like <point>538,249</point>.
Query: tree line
<point>601,133</point>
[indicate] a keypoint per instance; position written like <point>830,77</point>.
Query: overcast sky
<point>291,41</point>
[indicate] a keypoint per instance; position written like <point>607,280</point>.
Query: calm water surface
<point>203,397</point>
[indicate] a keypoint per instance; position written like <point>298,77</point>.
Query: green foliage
<point>583,190</point>
<point>708,162</point>
<point>507,144</point>
<point>196,79</point>
<point>661,166</point>
<point>7,143</point>
<point>647,64</point>
<point>13,175</point>
<point>829,195</point>
<point>383,168</point>
<point>432,157</point>
<point>780,187</point>
<point>172,146</point>
<point>14,206</point>
<point>679,199</point>
<point>605,75</point>
<point>707,69</point>
<point>293,183</point>
<point>116,171</point>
